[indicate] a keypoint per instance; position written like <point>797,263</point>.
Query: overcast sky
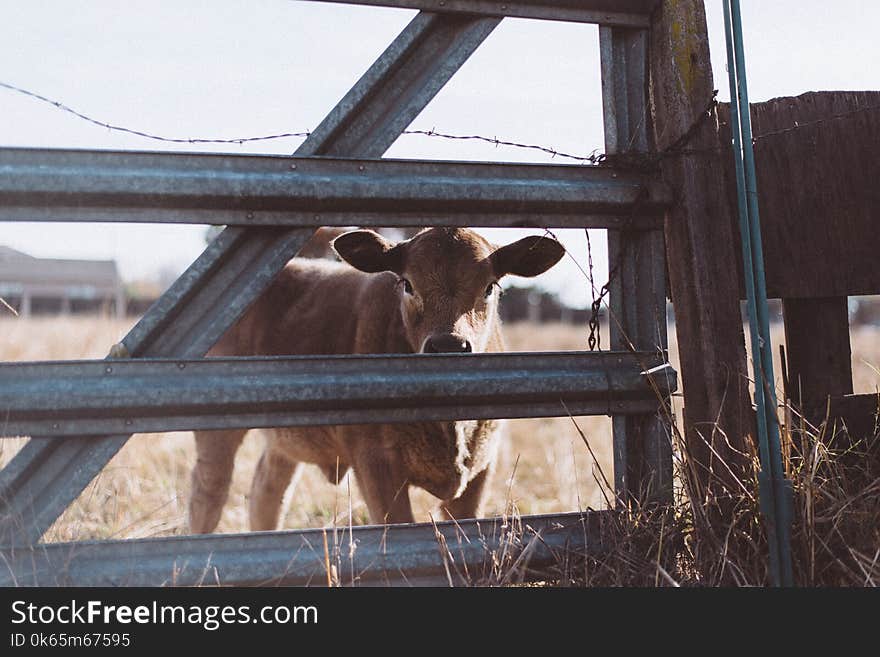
<point>230,68</point>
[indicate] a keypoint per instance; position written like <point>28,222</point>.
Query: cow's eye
<point>407,286</point>
<point>490,289</point>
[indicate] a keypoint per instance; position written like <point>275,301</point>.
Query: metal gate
<point>81,413</point>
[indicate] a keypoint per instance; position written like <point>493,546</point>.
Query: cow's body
<point>321,307</point>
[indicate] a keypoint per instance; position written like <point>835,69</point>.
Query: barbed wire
<point>638,161</point>
<point>139,133</point>
<point>594,158</point>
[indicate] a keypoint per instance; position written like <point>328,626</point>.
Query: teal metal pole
<point>775,490</point>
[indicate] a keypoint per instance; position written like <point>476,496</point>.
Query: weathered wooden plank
<point>818,353</point>
<point>818,173</point>
<point>700,235</point>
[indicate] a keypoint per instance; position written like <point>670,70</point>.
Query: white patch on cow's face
<point>449,313</point>
<point>448,291</point>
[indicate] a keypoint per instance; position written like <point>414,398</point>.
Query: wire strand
<point>147,135</point>
<point>594,158</point>
<point>637,161</point>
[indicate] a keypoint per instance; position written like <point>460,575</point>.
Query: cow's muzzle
<point>446,343</point>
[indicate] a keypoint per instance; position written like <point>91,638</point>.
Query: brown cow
<point>434,293</point>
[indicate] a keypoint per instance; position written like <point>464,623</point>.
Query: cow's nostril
<point>447,344</point>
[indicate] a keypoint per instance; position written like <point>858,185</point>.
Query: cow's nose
<point>446,344</point>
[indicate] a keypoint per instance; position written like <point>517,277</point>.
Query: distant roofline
<point>47,274</point>
<point>9,251</point>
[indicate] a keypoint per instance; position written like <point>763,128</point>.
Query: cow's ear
<point>368,251</point>
<point>529,256</point>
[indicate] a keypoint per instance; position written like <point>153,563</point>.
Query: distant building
<point>48,286</point>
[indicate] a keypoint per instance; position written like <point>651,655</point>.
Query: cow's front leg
<point>470,503</point>
<point>383,484</point>
<point>211,476</point>
<point>271,479</point>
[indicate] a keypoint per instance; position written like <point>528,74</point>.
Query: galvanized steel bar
<point>70,185</point>
<point>619,13</point>
<point>637,318</point>
<point>402,555</point>
<point>68,397</point>
<point>775,490</point>
<point>45,476</point>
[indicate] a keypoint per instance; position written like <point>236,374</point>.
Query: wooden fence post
<point>818,353</point>
<point>700,241</point>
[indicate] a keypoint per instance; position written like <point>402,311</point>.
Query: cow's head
<point>448,280</point>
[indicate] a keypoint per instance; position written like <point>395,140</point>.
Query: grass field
<point>544,466</point>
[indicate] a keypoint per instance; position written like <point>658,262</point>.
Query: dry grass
<point>720,540</point>
<point>544,468</point>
